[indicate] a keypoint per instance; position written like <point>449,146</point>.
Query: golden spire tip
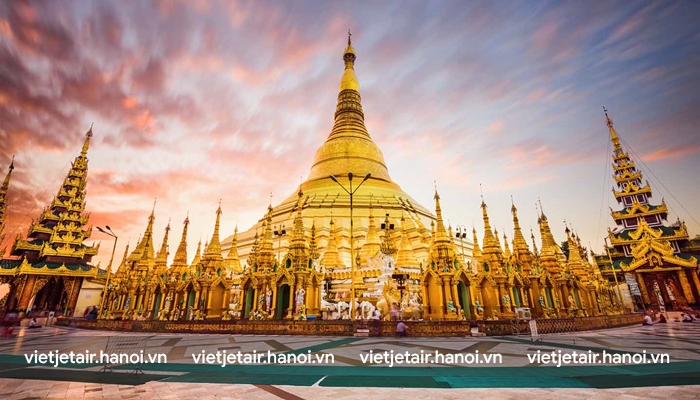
<point>349,35</point>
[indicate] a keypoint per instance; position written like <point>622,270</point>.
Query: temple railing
<point>366,328</point>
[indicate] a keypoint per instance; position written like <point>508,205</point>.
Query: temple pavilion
<point>658,259</point>
<point>45,270</point>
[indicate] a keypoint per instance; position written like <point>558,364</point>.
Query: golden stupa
<point>348,149</point>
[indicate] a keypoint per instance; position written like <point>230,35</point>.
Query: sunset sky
<point>196,101</point>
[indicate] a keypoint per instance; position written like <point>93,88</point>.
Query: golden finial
<point>12,163</point>
<point>608,121</point>
<point>349,35</point>
<point>270,199</point>
<point>437,196</point>
<point>89,132</point>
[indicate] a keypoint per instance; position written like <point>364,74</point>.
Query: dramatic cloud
<point>196,101</point>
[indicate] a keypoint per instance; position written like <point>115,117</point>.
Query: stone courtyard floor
<point>339,367</point>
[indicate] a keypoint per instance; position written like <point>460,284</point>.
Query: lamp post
<point>351,192</point>
<point>461,234</point>
<point>279,232</point>
<point>612,267</point>
<point>108,232</point>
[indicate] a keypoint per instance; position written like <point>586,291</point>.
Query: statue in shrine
<point>556,301</point>
<point>451,307</point>
<point>506,300</point>
<point>300,297</point>
<point>572,303</point>
<point>542,302</point>
<point>176,314</point>
<point>479,308</point>
<point>268,299</point>
<point>526,300</point>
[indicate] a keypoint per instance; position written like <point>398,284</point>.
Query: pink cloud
<point>676,153</point>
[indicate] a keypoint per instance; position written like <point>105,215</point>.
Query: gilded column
<point>273,306</point>
<point>441,311</point>
<point>26,295</point>
<point>73,300</point>
<point>426,301</point>
<point>256,293</point>
<point>292,290</point>
<point>696,280</point>
<point>455,296</point>
<point>565,294</point>
<point>687,292</point>
<point>643,288</point>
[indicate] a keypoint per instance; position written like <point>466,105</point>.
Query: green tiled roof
<point>626,209</point>
<point>666,231</point>
<point>72,267</point>
<point>10,264</point>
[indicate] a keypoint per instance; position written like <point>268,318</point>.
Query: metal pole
<point>352,260</point>
<point>612,266</point>
<point>109,274</point>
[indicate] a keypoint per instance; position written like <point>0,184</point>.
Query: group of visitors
<point>91,313</point>
<point>663,319</point>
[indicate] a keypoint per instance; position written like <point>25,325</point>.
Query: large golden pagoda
<point>399,265</point>
<point>349,148</point>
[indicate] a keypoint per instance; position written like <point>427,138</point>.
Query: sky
<point>194,102</point>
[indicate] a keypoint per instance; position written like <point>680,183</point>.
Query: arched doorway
<point>156,305</point>
<point>50,296</point>
<point>282,301</point>
<point>248,302</point>
<point>190,303</point>
<point>463,292</point>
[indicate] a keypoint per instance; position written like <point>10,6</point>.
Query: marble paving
<point>349,376</point>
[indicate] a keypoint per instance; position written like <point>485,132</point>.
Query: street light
<point>107,232</point>
<point>352,247</point>
<point>279,232</point>
<point>461,234</point>
<point>612,267</point>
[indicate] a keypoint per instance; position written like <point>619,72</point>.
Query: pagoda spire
<point>613,135</point>
<point>163,252</point>
<point>534,244</point>
<point>519,242</point>
<point>349,147</point>
<point>3,202</point>
<point>214,247</point>
<point>298,247</point>
<point>232,261</point>
<point>86,143</point>
<point>442,255</point>
<point>331,258</point>
<point>476,251</point>
<point>121,269</point>
<point>313,246</point>
<point>65,238</point>
<point>180,259</point>
<point>491,242</point>
<point>441,233</point>
<point>147,248</point>
<point>255,249</point>
<point>405,257</point>
<point>197,254</point>
<point>372,243</point>
<point>161,261</point>
<point>266,255</point>
<point>506,252</point>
